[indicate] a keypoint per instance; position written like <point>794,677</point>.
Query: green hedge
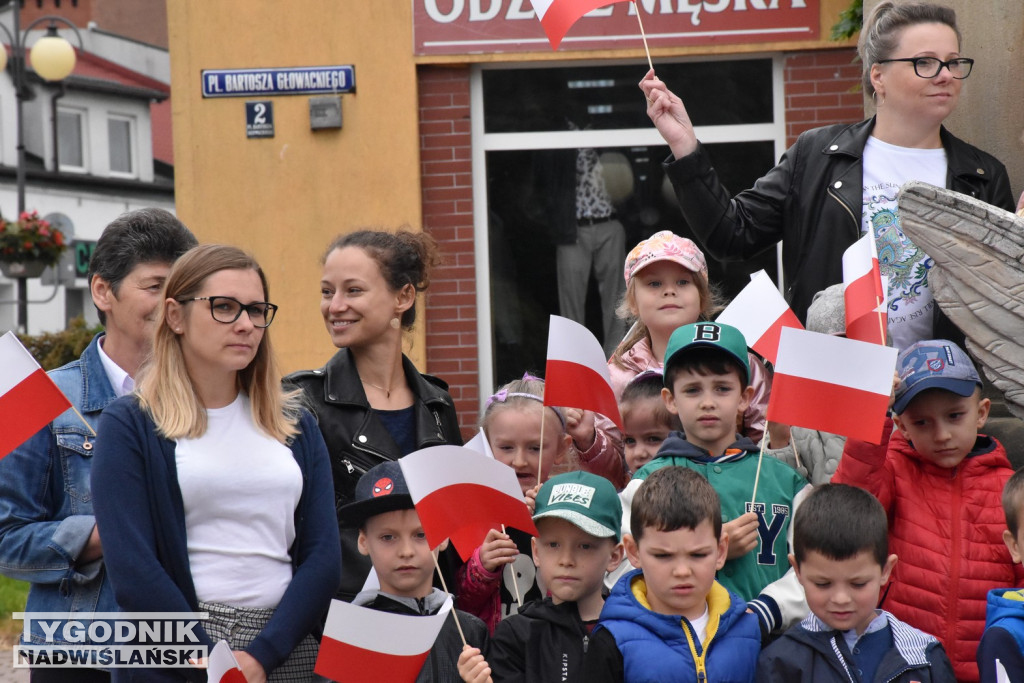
<point>54,349</point>
<point>12,599</point>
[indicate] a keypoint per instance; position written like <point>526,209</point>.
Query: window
<point>70,140</point>
<point>122,153</point>
<point>529,125</point>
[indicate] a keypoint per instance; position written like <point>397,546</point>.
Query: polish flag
<point>557,16</point>
<point>863,294</point>
<point>760,312</point>
<point>461,496</point>
<point>28,397</point>
<point>576,375</point>
<point>480,444</point>
<point>222,666</point>
<point>362,645</point>
<point>836,385</point>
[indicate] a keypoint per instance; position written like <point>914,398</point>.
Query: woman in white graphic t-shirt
<point>838,181</point>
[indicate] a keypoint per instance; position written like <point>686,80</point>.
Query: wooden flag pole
<point>540,450</point>
<point>643,35</point>
<point>883,315</point>
<point>515,584</point>
<point>881,323</point>
<point>757,476</point>
<point>87,425</point>
<point>433,554</point>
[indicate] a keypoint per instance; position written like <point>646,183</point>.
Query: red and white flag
<point>28,397</point>
<point>760,312</point>
<point>461,496</point>
<point>836,385</point>
<point>576,375</point>
<point>863,293</point>
<point>480,444</point>
<point>362,645</point>
<point>222,666</point>
<point>557,16</point>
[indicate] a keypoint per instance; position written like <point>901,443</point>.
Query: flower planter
<point>23,269</point>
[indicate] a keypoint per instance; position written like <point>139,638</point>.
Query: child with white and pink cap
<point>667,287</point>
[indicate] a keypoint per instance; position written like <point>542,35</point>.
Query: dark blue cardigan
<point>141,520</point>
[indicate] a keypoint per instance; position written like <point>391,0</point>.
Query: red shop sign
<point>458,27</point>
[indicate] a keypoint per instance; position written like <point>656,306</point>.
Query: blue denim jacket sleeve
<point>46,502</point>
<point>45,513</point>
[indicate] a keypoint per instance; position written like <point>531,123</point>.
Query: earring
<point>395,323</point>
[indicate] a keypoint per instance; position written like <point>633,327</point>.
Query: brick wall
<point>822,88</point>
<point>448,215</point>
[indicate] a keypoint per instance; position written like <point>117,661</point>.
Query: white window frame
<point>133,155</point>
<point>83,117</point>
<point>483,142</point>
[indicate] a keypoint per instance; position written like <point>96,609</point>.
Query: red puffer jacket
<point>946,526</point>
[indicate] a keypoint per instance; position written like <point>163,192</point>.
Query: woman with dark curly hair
<point>372,403</point>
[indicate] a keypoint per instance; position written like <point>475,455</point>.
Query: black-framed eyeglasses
<point>929,67</point>
<point>226,309</point>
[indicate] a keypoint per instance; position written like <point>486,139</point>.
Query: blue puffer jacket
<point>662,647</point>
<point>1002,646</point>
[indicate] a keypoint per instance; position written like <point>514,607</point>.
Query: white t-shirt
<point>240,488</point>
<point>886,168</point>
<point>700,625</point>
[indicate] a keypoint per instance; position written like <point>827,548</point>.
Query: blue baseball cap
<point>933,364</point>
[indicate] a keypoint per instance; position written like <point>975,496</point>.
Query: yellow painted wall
<point>284,198</point>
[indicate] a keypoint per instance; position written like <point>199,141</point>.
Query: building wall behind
<point>820,89</point>
<point>284,198</point>
<point>142,20</point>
<point>446,163</point>
<point>990,115</point>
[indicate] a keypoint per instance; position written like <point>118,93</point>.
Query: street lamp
<point>53,59</point>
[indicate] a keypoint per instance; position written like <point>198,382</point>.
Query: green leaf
<point>850,21</point>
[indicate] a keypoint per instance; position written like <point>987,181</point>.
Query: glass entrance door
<point>539,131</point>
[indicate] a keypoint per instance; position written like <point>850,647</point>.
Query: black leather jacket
<point>811,201</point>
<point>357,440</point>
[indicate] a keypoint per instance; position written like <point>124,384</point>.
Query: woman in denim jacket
<point>47,531</point>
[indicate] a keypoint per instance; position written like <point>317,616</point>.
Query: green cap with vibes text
<point>587,500</point>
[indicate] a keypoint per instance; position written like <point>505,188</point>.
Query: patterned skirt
<point>241,625</point>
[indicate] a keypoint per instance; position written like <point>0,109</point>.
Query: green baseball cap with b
<point>708,335</point>
<point>587,500</point>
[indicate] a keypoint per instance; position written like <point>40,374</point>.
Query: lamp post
<point>53,59</point>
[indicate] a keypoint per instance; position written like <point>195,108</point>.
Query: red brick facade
<point>446,162</point>
<point>820,88</point>
<point>143,20</point>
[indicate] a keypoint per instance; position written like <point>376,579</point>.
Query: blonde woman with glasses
<point>838,182</point>
<point>213,489</point>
